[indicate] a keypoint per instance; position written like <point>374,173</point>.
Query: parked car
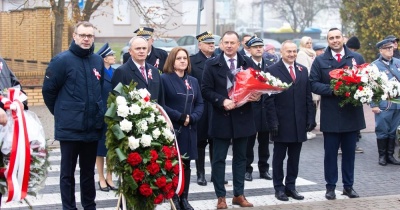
<point>162,43</point>
<point>189,42</point>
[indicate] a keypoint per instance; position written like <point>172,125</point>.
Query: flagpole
<point>199,9</point>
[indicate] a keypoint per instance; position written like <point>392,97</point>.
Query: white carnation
<point>145,141</point>
<point>156,133</point>
<point>121,101</point>
<point>135,109</point>
<point>168,134</point>
<point>143,93</point>
<point>133,142</point>
<point>123,110</point>
<point>125,125</point>
<point>151,119</point>
<point>142,126</point>
<point>160,118</point>
<point>384,97</point>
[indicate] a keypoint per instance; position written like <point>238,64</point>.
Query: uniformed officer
<point>156,57</point>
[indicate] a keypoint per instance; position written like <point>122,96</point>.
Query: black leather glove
<point>274,131</point>
<point>310,127</point>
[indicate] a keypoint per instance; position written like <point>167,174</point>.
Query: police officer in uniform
<point>155,57</point>
<point>206,50</point>
<point>255,46</point>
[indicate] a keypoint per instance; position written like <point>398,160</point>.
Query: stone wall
<point>27,37</point>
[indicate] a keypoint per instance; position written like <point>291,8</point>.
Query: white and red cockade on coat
<point>97,74</point>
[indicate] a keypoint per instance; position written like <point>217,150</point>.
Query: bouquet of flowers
<point>24,155</point>
<point>141,148</point>
<point>363,84</point>
<point>251,81</point>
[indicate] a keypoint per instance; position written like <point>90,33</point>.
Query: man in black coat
<point>245,50</point>
<point>206,50</point>
<point>291,115</point>
<point>228,122</point>
<point>340,125</point>
<point>155,56</point>
<point>256,45</point>
<point>138,70</point>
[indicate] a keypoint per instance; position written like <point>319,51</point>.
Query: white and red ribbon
<point>17,172</point>
<point>96,74</point>
<point>187,84</point>
<point>149,74</point>
<point>157,63</point>
<point>181,180</point>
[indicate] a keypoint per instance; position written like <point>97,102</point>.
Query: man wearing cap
<point>136,69</point>
<point>206,50</point>
<point>340,125</point>
<point>353,44</point>
<point>105,182</point>
<point>256,45</point>
<point>228,123</point>
<point>395,40</point>
<point>290,116</point>
<point>387,115</point>
<point>155,56</point>
<point>245,50</point>
<point>319,49</point>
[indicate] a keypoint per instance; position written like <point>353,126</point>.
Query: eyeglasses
<point>83,36</point>
<point>387,48</point>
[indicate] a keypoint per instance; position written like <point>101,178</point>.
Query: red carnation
<point>154,155</point>
<point>158,199</point>
<point>347,94</point>
<point>134,159</point>
<point>2,175</point>
<point>145,190</point>
<point>174,152</point>
<point>175,181</point>
<point>170,194</point>
<point>168,165</point>
<point>360,88</point>
<point>176,169</point>
<point>161,182</point>
<point>167,187</point>
<point>138,175</point>
<point>153,168</point>
<point>167,152</point>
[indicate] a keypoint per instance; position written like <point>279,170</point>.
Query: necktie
<point>259,65</point>
<point>143,71</point>
<point>338,57</point>
<point>292,73</point>
<point>232,66</point>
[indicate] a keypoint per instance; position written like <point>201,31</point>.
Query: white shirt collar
<point>287,66</point>
<point>341,53</point>
<point>228,62</point>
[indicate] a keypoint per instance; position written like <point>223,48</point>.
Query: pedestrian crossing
<point>200,197</point>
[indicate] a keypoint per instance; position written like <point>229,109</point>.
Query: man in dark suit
<point>256,45</point>
<point>340,125</point>
<point>291,115</point>
<point>138,70</point>
<point>245,50</point>
<point>155,56</point>
<point>228,122</point>
<point>206,50</point>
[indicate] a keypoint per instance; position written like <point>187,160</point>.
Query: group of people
<point>194,92</point>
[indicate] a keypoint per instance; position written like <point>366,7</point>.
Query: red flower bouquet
<point>141,148</point>
<point>252,81</point>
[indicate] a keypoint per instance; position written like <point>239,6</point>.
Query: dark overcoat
<point>175,98</point>
<point>292,109</point>
<point>334,118</point>
<point>128,72</point>
<point>157,58</point>
<point>236,123</point>
<point>198,61</point>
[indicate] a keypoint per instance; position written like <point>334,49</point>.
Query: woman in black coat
<point>184,106</point>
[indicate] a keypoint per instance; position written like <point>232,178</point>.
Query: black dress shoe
<point>248,176</point>
<point>113,188</point>
<point>294,194</point>
<point>184,204</point>
<point>265,175</point>
<point>350,192</point>
<point>201,179</point>
<point>225,181</point>
<point>104,189</point>
<point>280,195</point>
<point>330,195</point>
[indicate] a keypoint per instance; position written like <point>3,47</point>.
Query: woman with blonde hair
<point>305,57</point>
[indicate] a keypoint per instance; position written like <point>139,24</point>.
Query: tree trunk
<point>58,32</point>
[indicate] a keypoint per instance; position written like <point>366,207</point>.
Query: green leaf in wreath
<point>118,132</point>
<point>111,111</point>
<point>119,88</point>
<point>120,155</point>
<point>131,182</point>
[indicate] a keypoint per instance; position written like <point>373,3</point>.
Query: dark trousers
<point>263,152</point>
<point>220,150</point>
<point>347,142</point>
<point>201,153</point>
<point>292,167</point>
<point>70,151</point>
